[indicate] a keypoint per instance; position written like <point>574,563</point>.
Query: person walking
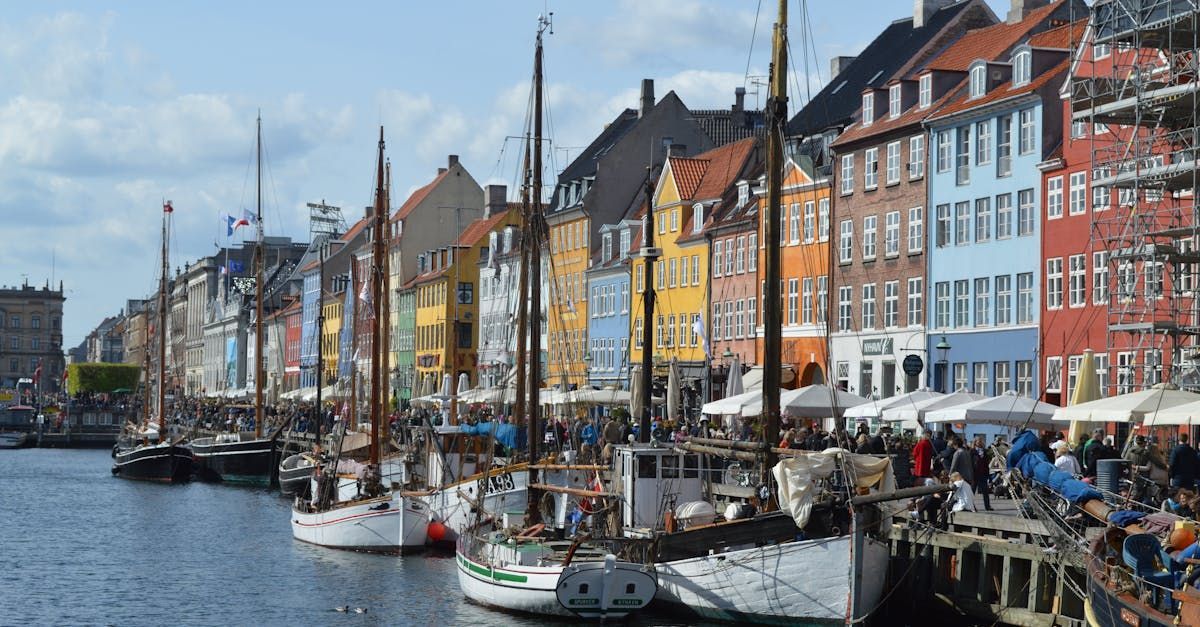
<point>1182,464</point>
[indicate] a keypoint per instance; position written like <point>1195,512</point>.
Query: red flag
<point>66,375</point>
<point>167,208</point>
<point>37,374</point>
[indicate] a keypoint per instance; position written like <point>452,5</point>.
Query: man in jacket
<point>1182,464</point>
<point>962,462</point>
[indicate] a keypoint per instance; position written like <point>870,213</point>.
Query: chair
<point>1150,563</point>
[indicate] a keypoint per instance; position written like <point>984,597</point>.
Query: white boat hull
<point>388,524</point>
<point>805,582</point>
<point>452,506</point>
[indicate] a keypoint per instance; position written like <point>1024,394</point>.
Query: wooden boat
<point>295,474</point>
<point>11,439</point>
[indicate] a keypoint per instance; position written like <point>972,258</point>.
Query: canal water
<point>78,546</point>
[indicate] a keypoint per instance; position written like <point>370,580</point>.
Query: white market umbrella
<point>673,390</point>
<point>734,385</point>
<point>817,401</point>
<point>446,381</point>
<point>1132,407</point>
<point>875,409</point>
<point>1087,389</point>
<point>1009,409</point>
<point>637,395</point>
<point>1185,414</point>
<point>464,386</point>
<point>607,398</point>
<point>745,404</point>
<point>916,411</point>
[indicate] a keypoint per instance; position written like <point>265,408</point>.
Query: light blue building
<point>310,305</point>
<point>608,307</point>
<point>986,203</point>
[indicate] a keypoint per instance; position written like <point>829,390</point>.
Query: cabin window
<point>583,588</point>
<point>648,467</point>
<point>670,467</point>
<point>630,588</point>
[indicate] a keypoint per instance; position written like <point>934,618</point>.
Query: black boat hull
<point>251,462</point>
<point>295,482</point>
<point>164,464</point>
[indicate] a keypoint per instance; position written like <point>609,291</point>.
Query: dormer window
<point>625,243</point>
<point>868,109</point>
<point>1022,68</point>
<point>894,101</point>
<point>978,79</point>
<point>606,250</point>
<point>743,193</point>
<point>925,91</point>
<point>697,217</point>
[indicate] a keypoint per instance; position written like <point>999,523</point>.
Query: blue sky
<point>106,109</point>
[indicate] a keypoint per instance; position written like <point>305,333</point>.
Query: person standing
<point>922,456</point>
<point>1182,464</point>
<point>980,455</point>
<point>1064,460</point>
<point>962,461</point>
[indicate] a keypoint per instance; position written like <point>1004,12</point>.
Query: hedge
<point>102,377</point>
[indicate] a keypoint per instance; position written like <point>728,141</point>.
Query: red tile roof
<point>482,226</point>
<point>1001,92</point>
<point>989,42</point>
<point>688,172</point>
<point>418,196</point>
<point>726,165</point>
<point>1063,37</point>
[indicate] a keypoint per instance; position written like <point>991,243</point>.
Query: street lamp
<point>943,347</point>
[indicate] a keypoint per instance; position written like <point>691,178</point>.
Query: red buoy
<point>436,531</point>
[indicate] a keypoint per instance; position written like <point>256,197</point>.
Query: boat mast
<point>320,330</point>
<point>520,408</point>
<point>352,419</point>
<point>385,301</point>
<point>376,278</point>
<point>162,329</point>
<point>649,254</point>
<point>533,513</point>
<point>258,287</point>
<point>772,353</point>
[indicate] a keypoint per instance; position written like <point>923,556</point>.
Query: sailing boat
<point>146,452</point>
<point>236,457</point>
<point>520,570</point>
<point>377,518</point>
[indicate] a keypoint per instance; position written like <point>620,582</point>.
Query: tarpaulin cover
<point>1125,517</point>
<point>1078,492</point>
<point>796,477</point>
<point>507,433</point>
<point>1058,480</point>
<point>1025,443</point>
<point>1027,455</point>
<point>1043,471</point>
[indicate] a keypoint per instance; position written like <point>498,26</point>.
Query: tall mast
<point>534,245</point>
<point>376,278</point>
<point>649,254</point>
<point>772,327</point>
<point>385,301</point>
<point>258,287</point>
<point>162,329</point>
<point>320,331</point>
<point>352,419</point>
<point>520,407</point>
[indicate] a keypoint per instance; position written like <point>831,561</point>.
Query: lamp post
<point>943,348</point>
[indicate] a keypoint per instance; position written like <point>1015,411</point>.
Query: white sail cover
<point>796,477</point>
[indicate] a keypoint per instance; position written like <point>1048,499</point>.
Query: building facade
<point>31,335</point>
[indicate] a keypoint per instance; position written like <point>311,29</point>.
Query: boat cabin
<point>654,480</point>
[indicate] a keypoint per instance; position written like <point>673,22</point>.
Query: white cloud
<point>664,32</point>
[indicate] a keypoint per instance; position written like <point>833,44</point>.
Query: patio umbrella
<point>817,401</point>
<point>875,409</point>
<point>1087,388</point>
<point>733,386</point>
<point>915,412</point>
<point>737,405</point>
<point>1009,409</point>
<point>446,380</point>
<point>637,395</point>
<point>464,386</point>
<point>673,390</point>
<point>1132,407</point>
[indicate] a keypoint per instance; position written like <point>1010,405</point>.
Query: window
<point>1022,68</point>
<point>983,219</point>
<point>751,263</point>
<point>1004,146</point>
<point>729,256</point>
<point>925,91</point>
<point>1004,217</point>
<point>662,227</point>
<point>962,223</point>
<point>806,301</point>
<point>1027,131</point>
<point>1154,279</point>
<point>640,278</point>
<point>981,378</point>
<point>1054,197</point>
<point>810,222</point>
<point>35,322</point>
<point>868,306</point>
<point>740,319</point>
<point>916,156</point>
<point>894,101</point>
<point>916,233</point>
<point>683,271</point>
<point>674,220</point>
<point>942,228</point>
<point>916,298</point>
<point>960,376</point>
<point>1003,378</point>
<point>793,300</point>
<point>868,108</point>
<point>846,242</point>
<point>1126,278</point>
<point>717,319</point>
<point>847,174</point>
<point>822,220</point>
<point>870,168</point>
<point>1101,194</point>
<point>741,257</point>
<point>624,298</point>
<point>1053,374</point>
<point>943,151</point>
<point>1073,363</point>
<point>1054,283</point>
<point>1100,278</point>
<point>660,273</point>
<point>893,163</point>
<point>845,293</point>
<point>983,142</point>
<point>983,302</point>
<point>606,247</point>
<point>891,304</point>
<point>1078,198</point>
<point>794,225</point>
<point>674,274</point>
<point>751,317</point>
<point>1025,378</point>
<point>1099,51</point>
<point>1025,218</point>
<point>891,234</point>
<point>942,305</point>
<point>978,79</point>
<point>868,238</point>
<point>1077,280</point>
<point>822,298</point>
<point>1186,271</point>
<point>718,254</point>
<point>962,304</point>
<point>962,164</point>
<point>1004,296</point>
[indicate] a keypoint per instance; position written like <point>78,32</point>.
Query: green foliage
<point>101,377</point>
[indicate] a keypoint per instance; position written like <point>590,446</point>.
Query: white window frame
<point>794,224</point>
<point>916,157</point>
<point>916,301</point>
<point>962,223</point>
<point>1026,220</point>
<point>845,308</point>
<point>810,221</point>
<point>1077,293</point>
<point>925,91</point>
<point>1004,298</point>
<point>1022,68</point>
<point>846,242</point>
<point>983,142</point>
<point>847,186</point>
<point>893,163</point>
<point>806,300</point>
<point>891,234</point>
<point>891,304</point>
<point>870,228</point>
<point>793,301</point>
<point>916,230</point>
<point>868,108</point>
<point>945,151</point>
<point>1078,193</point>
<point>1004,216</point>
<point>942,226</point>
<point>1054,374</point>
<point>867,317</point>
<point>1100,278</point>
<point>983,302</point>
<point>1054,283</point>
<point>978,75</point>
<point>1028,134</point>
<point>894,101</point>
<point>942,315</point>
<point>1054,197</point>
<point>871,168</point>
<point>823,219</point>
<point>962,304</point>
<point>983,219</point>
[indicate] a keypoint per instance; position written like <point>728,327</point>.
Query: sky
<point>108,109</point>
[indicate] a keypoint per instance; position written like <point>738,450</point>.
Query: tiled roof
<point>1062,37</point>
<point>841,97</point>
<point>720,126</point>
<point>688,173</point>
<point>726,165</point>
<point>418,197</point>
<point>1001,92</point>
<point>482,226</point>
<point>990,42</point>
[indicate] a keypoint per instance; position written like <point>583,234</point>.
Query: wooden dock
<point>988,566</point>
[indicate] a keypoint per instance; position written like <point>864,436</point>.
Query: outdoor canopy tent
<point>874,409</point>
<point>1132,407</point>
<point>813,401</point>
<point>915,412</point>
<point>1008,409</point>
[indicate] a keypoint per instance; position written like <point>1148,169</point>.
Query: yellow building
<point>687,191</point>
<point>331,308</point>
<point>447,304</point>
<point>567,304</point>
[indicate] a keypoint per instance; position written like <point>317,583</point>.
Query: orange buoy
<point>1182,538</point>
<point>436,531</point>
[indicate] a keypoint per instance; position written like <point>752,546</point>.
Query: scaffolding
<point>1137,95</point>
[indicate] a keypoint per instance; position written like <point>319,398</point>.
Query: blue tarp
<point>1125,517</point>
<point>1027,442</point>
<point>507,433</point>
<point>1043,471</point>
<point>1026,454</point>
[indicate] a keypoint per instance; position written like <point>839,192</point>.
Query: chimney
<point>452,161</point>
<point>1020,9</point>
<point>837,64</point>
<point>924,9</point>
<point>441,171</point>
<point>676,150</point>
<point>495,200</point>
<point>647,101</point>
<point>738,115</point>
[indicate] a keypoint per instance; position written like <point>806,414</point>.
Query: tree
<point>102,377</point>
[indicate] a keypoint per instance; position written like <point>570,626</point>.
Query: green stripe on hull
<point>490,573</point>
<point>250,480</point>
